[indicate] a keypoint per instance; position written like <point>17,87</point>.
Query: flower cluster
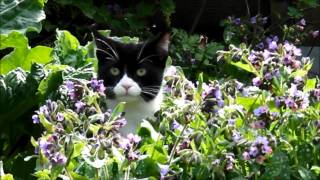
<point>258,150</point>
<point>50,148</point>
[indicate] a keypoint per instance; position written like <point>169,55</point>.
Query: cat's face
<point>132,71</point>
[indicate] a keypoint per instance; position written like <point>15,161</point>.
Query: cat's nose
<point>126,86</point>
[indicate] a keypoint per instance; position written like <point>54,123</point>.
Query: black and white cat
<point>133,73</point>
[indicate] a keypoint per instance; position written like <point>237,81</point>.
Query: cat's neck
<point>135,111</point>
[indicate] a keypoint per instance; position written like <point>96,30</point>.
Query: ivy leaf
<point>21,15</point>
<point>294,12</point>
<point>22,56</point>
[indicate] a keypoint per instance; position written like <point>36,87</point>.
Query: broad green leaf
<point>49,84</point>
<point>77,148</point>
<point>249,103</point>
<point>22,55</point>
<point>21,15</point>
<point>43,175</point>
<point>18,92</point>
<point>306,174</point>
<point>117,110</point>
<point>68,50</point>
<point>245,67</point>
<point>310,85</point>
<point>146,167</point>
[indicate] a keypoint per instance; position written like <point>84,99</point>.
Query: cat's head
<point>132,72</point>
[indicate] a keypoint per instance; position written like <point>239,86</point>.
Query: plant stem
<point>127,173</point>
<point>248,8</point>
<point>176,143</point>
<point>68,173</point>
<point>97,174</point>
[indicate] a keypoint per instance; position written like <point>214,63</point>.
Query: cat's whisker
<point>146,58</point>
<point>154,90</point>
<point>109,46</point>
<point>112,57</point>
<point>150,93</point>
<point>141,50</point>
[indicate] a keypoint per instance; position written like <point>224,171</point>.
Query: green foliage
<point>21,16</point>
<point>194,54</point>
<point>22,55</point>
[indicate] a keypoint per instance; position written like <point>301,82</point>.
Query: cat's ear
<point>161,44</point>
<point>106,48</point>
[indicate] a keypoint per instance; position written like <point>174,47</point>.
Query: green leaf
<point>117,110</point>
<point>294,12</point>
<point>147,167</point>
<point>310,85</point>
<point>43,175</point>
<point>305,173</point>
<point>49,84</point>
<point>18,92</point>
<point>77,149</point>
<point>316,169</point>
<point>245,67</point>
<point>21,15</point>
<point>55,171</point>
<point>167,7</point>
<point>22,56</point>
<point>249,103</point>
<point>68,50</point>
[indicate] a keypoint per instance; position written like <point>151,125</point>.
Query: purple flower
<point>35,119</point>
<point>297,51</point>
<point>287,60</point>
<point>253,20</point>
<point>58,159</point>
<point>231,122</point>
<point>315,34</point>
<point>252,57</point>
<point>60,116</point>
<point>268,76</point>
<point>266,149</point>
<point>253,151</point>
<point>261,110</point>
<point>246,155</point>
<point>220,103</point>
<point>239,85</point>
<point>260,45</point>
<point>132,156</point>
<point>119,123</point>
<point>175,124</point>
<point>287,46</point>
<point>124,144</point>
<point>272,45</point>
<point>236,136</point>
<point>258,124</point>
<point>164,169</point>
<point>97,85</point>
<point>256,81</point>
<point>171,71</point>
<point>237,21</point>
<point>289,102</point>
<point>261,140</point>
<point>133,138</point>
<point>216,162</point>
<point>266,54</point>
<point>70,85</point>
<point>302,22</point>
<point>80,106</point>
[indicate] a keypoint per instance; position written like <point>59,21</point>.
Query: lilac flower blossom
<point>272,45</point>
<point>97,85</point>
<point>35,119</point>
<point>164,170</point>
<point>79,106</point>
<point>261,110</point>
<point>253,20</point>
<point>256,81</point>
<point>315,34</point>
<point>237,21</point>
<point>60,116</point>
<point>133,138</point>
<point>246,155</point>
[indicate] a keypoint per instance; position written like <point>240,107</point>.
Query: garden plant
<point>241,108</point>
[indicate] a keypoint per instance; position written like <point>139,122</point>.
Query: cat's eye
<point>114,71</point>
<point>141,72</point>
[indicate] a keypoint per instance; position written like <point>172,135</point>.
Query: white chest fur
<point>136,111</point>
